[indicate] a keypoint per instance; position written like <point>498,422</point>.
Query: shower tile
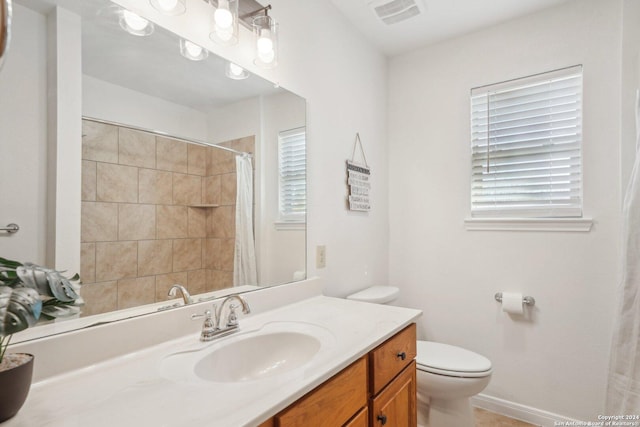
<point>227,166</point>
<point>155,257</point>
<point>164,283</point>
<point>135,292</point>
<point>211,252</point>
<point>197,219</point>
<point>171,155</point>
<point>89,176</point>
<point>187,254</point>
<point>187,189</point>
<point>197,159</point>
<point>246,144</point>
<point>219,155</point>
<point>227,250</point>
<point>172,222</point>
<point>221,222</point>
<point>197,281</point>
<point>116,183</point>
<point>136,148</point>
<point>228,189</point>
<point>136,222</point>
<point>155,187</point>
<point>217,280</point>
<point>88,262</point>
<point>99,298</point>
<point>99,222</point>
<point>99,142</point>
<point>116,260</point>
<point>211,190</point>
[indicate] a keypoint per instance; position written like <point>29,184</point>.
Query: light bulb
<point>193,49</point>
<point>264,43</point>
<point>267,57</point>
<point>135,22</point>
<point>223,16</point>
<point>235,70</point>
<point>167,5</point>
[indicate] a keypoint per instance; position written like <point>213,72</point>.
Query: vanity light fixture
<point>235,72</point>
<point>135,24</point>
<point>169,7</point>
<point>265,31</point>
<point>224,22</point>
<point>192,51</point>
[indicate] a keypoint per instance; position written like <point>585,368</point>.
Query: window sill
<point>290,225</point>
<point>529,224</point>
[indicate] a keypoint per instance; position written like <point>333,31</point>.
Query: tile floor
<point>490,419</point>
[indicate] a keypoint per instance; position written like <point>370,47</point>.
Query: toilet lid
<point>451,360</point>
<point>376,294</point>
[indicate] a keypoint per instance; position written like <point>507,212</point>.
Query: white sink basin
<point>257,356</point>
<point>275,348</point>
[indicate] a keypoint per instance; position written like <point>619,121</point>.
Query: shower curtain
<point>244,260</point>
<point>623,390</point>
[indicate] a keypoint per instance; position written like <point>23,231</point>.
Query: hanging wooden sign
<point>358,180</point>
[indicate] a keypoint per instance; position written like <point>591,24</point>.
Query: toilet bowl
<point>447,376</point>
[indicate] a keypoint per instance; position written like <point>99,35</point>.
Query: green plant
<point>27,291</point>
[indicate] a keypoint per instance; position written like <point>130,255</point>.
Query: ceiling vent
<point>393,11</point>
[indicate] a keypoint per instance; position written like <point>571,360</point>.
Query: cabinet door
<point>360,420</point>
<point>332,403</point>
<point>395,406</point>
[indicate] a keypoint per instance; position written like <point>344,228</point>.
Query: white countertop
<point>130,391</point>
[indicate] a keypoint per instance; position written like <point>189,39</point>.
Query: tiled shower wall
<point>155,212</point>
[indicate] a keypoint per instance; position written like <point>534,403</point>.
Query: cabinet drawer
<point>331,404</point>
<point>391,357</point>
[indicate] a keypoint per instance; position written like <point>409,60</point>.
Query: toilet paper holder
<point>530,301</point>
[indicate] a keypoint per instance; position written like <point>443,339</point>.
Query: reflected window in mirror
<point>292,186</point>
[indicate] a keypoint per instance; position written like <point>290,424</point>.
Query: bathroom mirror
<point>150,123</point>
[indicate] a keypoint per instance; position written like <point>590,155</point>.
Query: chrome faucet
<point>185,293</point>
<point>212,327</point>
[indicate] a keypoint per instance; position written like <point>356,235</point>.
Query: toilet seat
<point>449,360</point>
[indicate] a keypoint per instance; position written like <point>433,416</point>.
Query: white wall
<point>325,60</point>
<point>283,249</point>
<point>557,360</point>
<point>107,101</point>
<point>23,136</point>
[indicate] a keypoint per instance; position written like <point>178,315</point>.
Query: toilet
<point>447,376</point>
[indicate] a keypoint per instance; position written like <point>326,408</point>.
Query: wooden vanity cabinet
<point>333,403</point>
<point>392,373</point>
<point>379,389</point>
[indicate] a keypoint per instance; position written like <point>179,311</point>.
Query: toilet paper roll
<point>512,303</point>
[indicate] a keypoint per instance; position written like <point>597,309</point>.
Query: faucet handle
<point>209,328</point>
<point>232,319</point>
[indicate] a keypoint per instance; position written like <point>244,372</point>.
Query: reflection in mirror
<point>160,137</point>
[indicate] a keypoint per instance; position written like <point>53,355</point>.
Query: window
<point>526,138</point>
<point>292,160</point>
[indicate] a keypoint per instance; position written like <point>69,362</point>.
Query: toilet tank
<point>376,294</point>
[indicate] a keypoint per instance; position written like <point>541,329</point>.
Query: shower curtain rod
<point>166,135</point>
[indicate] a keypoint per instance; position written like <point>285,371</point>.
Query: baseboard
<point>520,412</point>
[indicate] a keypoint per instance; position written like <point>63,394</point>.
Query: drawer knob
<point>402,355</point>
<point>382,419</point>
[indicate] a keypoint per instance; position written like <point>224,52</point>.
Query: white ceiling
<point>151,65</point>
<point>443,19</point>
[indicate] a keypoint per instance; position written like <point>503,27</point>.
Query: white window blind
<point>526,138</point>
<point>292,160</point>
